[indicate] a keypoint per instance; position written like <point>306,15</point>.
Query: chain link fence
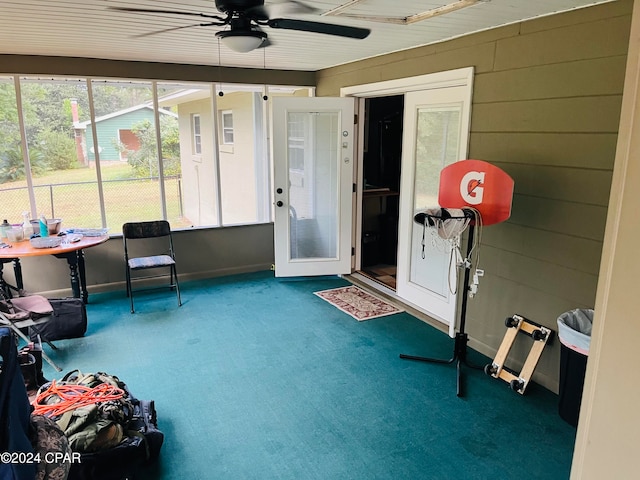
<point>78,203</point>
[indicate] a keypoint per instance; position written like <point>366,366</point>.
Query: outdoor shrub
<point>58,149</point>
<point>12,164</point>
<point>144,161</point>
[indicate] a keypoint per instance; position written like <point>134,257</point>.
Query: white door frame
<point>450,78</point>
<point>427,281</point>
<point>340,156</point>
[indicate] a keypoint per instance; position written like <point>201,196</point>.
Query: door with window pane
<point>435,135</point>
<point>313,157</point>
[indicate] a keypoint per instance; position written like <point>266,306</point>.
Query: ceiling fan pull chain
<point>265,97</point>
<point>220,93</point>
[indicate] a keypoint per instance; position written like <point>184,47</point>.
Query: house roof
<point>89,29</point>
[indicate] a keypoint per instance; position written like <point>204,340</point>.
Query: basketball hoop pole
<point>461,338</point>
<point>475,186</point>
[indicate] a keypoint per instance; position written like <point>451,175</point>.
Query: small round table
<point>73,252</point>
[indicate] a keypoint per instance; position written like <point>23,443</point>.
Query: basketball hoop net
<point>442,230</point>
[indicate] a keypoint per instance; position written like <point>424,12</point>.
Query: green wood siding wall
<point>546,106</point>
<point>108,132</point>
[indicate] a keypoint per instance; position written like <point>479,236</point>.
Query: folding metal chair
<point>22,314</point>
<point>142,233</point>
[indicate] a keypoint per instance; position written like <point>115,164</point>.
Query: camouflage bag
<point>93,427</point>
<point>115,438</point>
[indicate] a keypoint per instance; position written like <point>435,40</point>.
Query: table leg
<point>75,279</point>
<point>17,268</point>
<point>83,277</point>
<point>72,260</point>
<point>3,285</point>
<point>17,271</point>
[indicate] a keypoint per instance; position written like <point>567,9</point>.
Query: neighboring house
<point>242,144</point>
<point>115,131</point>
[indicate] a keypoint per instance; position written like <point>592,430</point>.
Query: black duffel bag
<point>69,320</point>
<point>111,456</point>
<point>140,448</point>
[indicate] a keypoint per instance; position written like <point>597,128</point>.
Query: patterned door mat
<point>356,302</point>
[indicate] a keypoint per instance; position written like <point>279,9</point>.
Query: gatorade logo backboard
<point>477,184</point>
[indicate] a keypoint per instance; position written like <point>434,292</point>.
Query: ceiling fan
<point>245,17</point>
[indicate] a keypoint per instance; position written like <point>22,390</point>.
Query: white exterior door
<point>435,134</point>
<point>313,149</point>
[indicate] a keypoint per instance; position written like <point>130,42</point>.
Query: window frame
<point>224,130</point>
<point>196,134</point>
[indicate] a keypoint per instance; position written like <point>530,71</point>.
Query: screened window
<point>197,137</point>
<point>227,127</point>
<point>102,152</point>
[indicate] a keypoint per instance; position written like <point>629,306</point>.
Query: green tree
<point>43,108</point>
<point>144,160</point>
<point>47,105</point>
<point>46,108</point>
<point>111,98</point>
<point>58,150</point>
<point>9,129</point>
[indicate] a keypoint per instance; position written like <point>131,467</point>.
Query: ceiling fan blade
<point>291,7</point>
<point>285,7</point>
<point>156,32</point>
<point>258,13</point>
<point>170,12</point>
<point>318,27</point>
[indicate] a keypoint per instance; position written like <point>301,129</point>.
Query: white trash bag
<point>574,329</point>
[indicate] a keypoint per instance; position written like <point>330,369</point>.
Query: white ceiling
<point>86,28</point>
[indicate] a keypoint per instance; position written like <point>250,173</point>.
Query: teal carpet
<point>257,378</point>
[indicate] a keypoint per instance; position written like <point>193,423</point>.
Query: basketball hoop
<point>483,193</point>
<point>443,226</point>
<point>442,229</point>
<point>448,222</point>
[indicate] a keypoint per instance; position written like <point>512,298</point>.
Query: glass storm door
<point>313,149</point>
<point>436,129</point>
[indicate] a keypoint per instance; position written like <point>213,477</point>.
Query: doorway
<point>435,111</point>
<point>382,154</point>
<point>421,279</point>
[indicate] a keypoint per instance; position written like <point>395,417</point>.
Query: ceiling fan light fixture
<point>242,41</point>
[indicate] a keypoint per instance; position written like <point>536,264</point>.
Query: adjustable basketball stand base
<point>461,338</point>
<point>459,357</point>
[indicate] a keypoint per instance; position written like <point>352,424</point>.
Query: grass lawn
<point>73,196</point>
<point>110,171</point>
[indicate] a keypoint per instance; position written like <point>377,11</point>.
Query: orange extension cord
<point>74,396</point>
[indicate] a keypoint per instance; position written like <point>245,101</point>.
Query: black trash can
<point>574,332</point>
